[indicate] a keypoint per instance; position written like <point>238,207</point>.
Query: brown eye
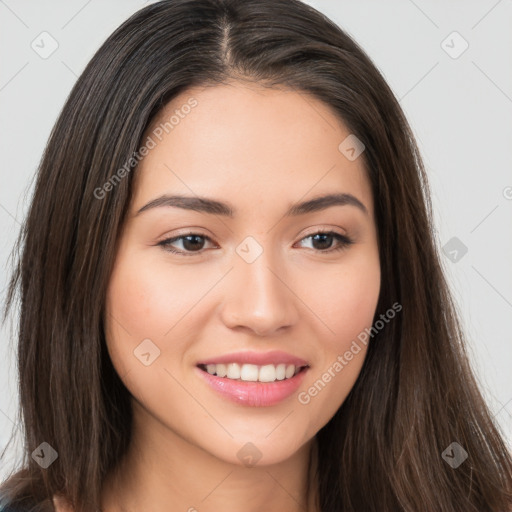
<point>191,242</point>
<point>323,241</point>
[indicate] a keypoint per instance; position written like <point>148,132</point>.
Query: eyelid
<point>186,232</point>
<point>309,232</point>
<point>196,232</point>
<point>324,229</point>
<point>344,240</point>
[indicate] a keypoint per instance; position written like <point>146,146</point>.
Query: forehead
<point>240,141</point>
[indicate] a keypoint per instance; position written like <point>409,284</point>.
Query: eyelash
<point>344,242</point>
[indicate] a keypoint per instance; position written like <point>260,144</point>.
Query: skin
<point>261,150</point>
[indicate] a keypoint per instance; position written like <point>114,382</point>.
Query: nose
<point>260,297</point>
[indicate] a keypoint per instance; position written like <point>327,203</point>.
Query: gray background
<point>459,106</point>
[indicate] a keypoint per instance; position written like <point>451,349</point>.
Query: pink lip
<point>255,394</point>
<point>257,358</point>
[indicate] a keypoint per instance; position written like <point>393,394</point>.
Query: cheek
<point>346,299</point>
<point>148,299</point>
<point>139,306</point>
<point>144,302</point>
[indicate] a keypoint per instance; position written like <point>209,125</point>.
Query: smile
<point>252,372</point>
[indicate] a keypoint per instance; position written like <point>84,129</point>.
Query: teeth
<point>267,373</point>
<point>290,370</point>
<point>280,371</point>
<point>252,372</point>
<point>233,371</point>
<point>221,370</point>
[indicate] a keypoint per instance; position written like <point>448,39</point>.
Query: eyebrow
<point>215,207</point>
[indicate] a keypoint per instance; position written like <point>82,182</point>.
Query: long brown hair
<point>416,393</point>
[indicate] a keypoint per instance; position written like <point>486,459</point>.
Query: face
<point>226,319</point>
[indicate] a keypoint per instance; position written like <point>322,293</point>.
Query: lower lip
<point>254,394</point>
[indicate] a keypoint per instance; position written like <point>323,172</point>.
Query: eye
<point>193,243</point>
<point>324,240</point>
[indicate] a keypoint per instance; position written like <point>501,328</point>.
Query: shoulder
<point>6,507</point>
<point>59,503</point>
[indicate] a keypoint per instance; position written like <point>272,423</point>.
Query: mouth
<point>253,373</point>
<point>252,378</point>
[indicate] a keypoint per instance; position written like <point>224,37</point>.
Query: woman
<point>231,296</point>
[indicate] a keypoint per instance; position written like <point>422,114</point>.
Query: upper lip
<point>258,358</point>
